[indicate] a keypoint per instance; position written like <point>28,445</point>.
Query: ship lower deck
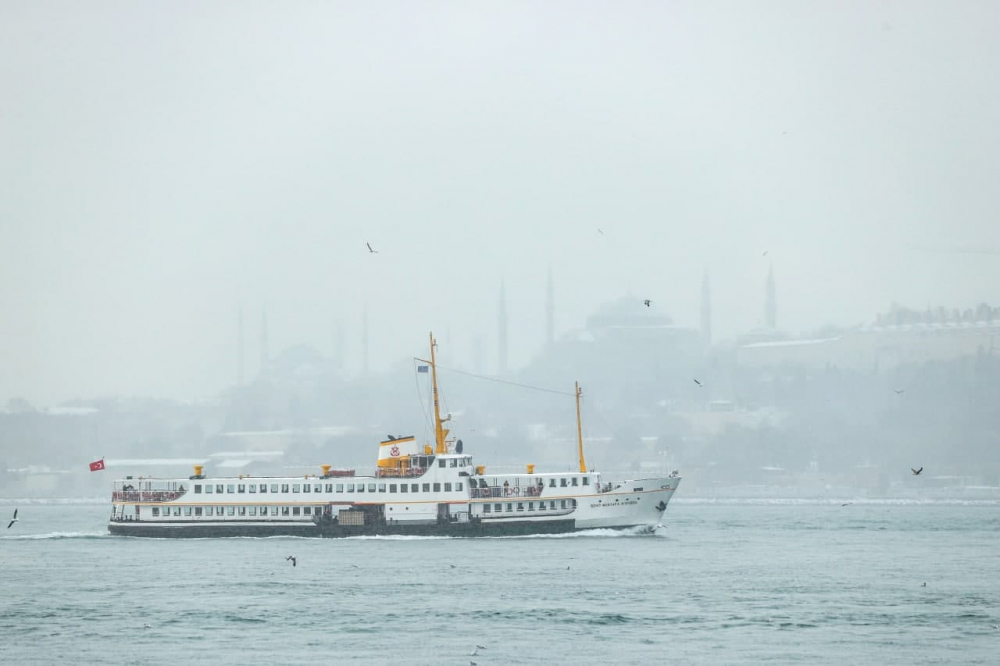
<point>229,529</point>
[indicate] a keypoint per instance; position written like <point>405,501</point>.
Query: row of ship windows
<point>330,487</point>
<point>552,482</point>
<point>308,510</point>
<point>499,507</point>
<point>237,511</point>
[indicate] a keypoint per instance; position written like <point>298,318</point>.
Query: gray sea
<point>722,583</point>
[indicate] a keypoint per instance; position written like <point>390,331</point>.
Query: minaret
<point>771,308</point>
<point>502,332</point>
<point>550,312</point>
<point>364,339</point>
<point>706,310</point>
<point>239,348</point>
<point>265,357</point>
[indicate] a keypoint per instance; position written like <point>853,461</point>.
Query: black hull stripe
<point>333,531</point>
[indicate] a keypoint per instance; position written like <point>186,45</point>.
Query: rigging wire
<point>509,383</point>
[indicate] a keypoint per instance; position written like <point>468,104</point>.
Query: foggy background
<point>165,167</point>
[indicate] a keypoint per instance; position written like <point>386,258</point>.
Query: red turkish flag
<point>97,466</point>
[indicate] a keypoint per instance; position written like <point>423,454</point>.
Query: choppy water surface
<point>722,583</point>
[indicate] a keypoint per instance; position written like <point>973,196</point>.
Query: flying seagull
<point>898,391</point>
<point>480,647</point>
<point>599,231</point>
<point>370,248</point>
<point>846,504</point>
<point>698,383</point>
<point>647,302</point>
<point>13,520</point>
<point>292,558</point>
<point>765,253</point>
<point>474,653</point>
<point>916,472</point>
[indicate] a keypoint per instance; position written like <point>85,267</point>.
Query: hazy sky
<point>162,163</point>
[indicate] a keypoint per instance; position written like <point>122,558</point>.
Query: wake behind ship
<point>434,491</point>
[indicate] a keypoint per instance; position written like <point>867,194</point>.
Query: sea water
<point>720,583</point>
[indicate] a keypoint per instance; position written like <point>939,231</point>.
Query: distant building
<point>876,348</point>
<point>624,339</point>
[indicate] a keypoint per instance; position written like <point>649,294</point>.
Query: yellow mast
<point>579,429</point>
<point>440,432</point>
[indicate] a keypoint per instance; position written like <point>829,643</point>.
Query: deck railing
<point>507,491</point>
<point>533,491</point>
<point>395,473</point>
<point>147,495</point>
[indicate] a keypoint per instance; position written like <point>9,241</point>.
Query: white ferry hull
<point>636,503</point>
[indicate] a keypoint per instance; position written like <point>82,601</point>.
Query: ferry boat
<point>433,491</point>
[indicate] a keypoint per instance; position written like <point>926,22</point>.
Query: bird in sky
<point>370,248</point>
<point>292,558</point>
<point>13,520</point>
<point>899,391</point>
<point>599,231</point>
<point>698,383</point>
<point>765,253</point>
<point>916,472</point>
<point>647,302</point>
<point>480,647</point>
